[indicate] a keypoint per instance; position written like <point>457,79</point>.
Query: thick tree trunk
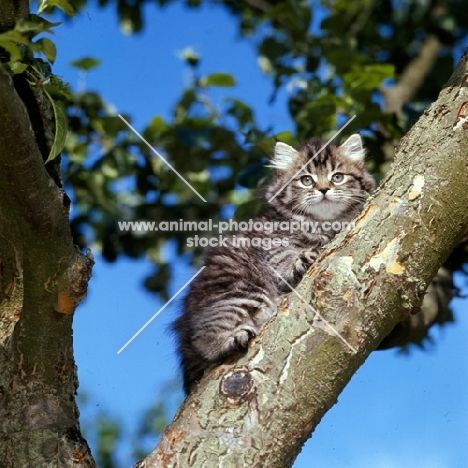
<point>42,279</point>
<point>259,410</point>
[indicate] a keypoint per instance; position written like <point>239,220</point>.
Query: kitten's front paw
<point>309,256</point>
<point>238,340</point>
<point>304,260</point>
<point>243,336</point>
<point>226,343</point>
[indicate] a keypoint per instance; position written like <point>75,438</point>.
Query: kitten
<point>239,290</point>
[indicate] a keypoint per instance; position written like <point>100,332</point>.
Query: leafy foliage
<point>333,70</point>
<point>20,58</point>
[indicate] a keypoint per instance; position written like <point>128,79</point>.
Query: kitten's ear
<point>353,148</point>
<point>285,156</point>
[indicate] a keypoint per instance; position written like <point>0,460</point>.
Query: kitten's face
<point>330,185</point>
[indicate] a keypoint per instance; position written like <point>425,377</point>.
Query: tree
<point>254,412</point>
<point>43,278</point>
<point>38,378</point>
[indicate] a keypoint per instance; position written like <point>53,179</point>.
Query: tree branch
<point>259,410</point>
<point>412,77</point>
<point>22,167</point>
<point>361,18</point>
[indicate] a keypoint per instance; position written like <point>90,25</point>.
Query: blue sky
<point>397,411</point>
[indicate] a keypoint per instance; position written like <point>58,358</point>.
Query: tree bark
<point>258,410</point>
<point>42,279</point>
<point>11,12</point>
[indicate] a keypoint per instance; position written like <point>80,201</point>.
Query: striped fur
<point>238,290</point>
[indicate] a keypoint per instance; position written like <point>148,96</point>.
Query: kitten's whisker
<point>301,208</point>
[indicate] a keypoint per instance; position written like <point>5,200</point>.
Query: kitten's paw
<point>243,336</point>
<point>309,256</point>
<point>225,344</point>
<point>304,260</point>
<point>239,339</point>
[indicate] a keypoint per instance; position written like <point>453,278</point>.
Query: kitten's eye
<point>307,180</point>
<point>337,177</point>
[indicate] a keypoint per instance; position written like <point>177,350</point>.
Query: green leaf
<point>63,5</point>
<point>10,41</point>
<point>35,25</point>
<point>273,49</point>
<point>109,126</point>
<point>14,36</point>
<point>219,79</point>
<point>11,48</point>
<point>190,56</point>
<point>61,127</point>
<point>266,64</point>
<point>241,111</point>
<point>369,77</point>
<point>155,128</point>
<point>16,68</point>
<point>285,137</point>
<point>59,90</point>
<point>47,47</point>
<point>86,63</point>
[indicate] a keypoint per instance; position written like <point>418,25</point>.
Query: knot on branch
<point>73,286</point>
<point>237,385</point>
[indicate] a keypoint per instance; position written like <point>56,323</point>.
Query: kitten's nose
<point>324,190</point>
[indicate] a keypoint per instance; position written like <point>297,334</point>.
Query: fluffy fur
<point>238,291</point>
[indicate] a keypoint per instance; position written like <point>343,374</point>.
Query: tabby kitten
<point>239,290</point>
